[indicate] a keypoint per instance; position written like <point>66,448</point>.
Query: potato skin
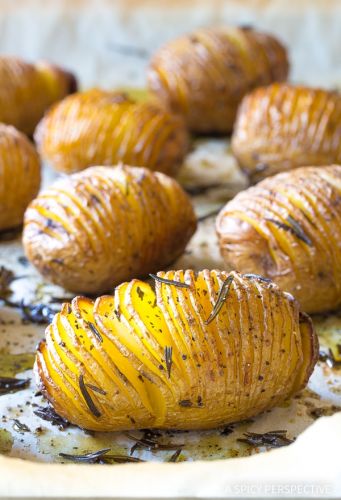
<point>27,90</point>
<point>102,128</point>
<point>252,241</point>
<point>92,230</point>
<point>19,176</point>
<point>257,351</point>
<point>282,127</point>
<point>204,75</point>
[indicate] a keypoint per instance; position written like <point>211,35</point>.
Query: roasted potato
<point>204,75</point>
<point>19,176</point>
<point>282,127</point>
<point>27,90</point>
<point>224,348</point>
<point>288,228</point>
<point>102,128</point>
<point>92,230</point>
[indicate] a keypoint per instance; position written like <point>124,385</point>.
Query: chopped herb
<point>90,404</point>
<point>179,284</point>
<point>330,359</point>
<point>18,426</point>
<point>89,458</point>
<point>169,359</point>
<point>95,331</point>
<point>49,414</point>
<point>149,442</point>
<point>186,403</point>
<point>121,459</point>
<point>224,291</point>
<point>272,439</point>
<point>257,277</point>
<point>293,227</point>
<point>96,389</point>
<point>175,456</point>
<point>37,313</point>
<point>8,385</point>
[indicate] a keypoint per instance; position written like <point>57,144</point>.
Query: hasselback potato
<point>97,228</point>
<point>176,357</point>
<point>204,75</point>
<point>282,127</point>
<point>19,175</point>
<point>102,128</point>
<point>27,90</point>
<point>288,228</point>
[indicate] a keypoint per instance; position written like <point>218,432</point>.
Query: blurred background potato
<point>109,42</point>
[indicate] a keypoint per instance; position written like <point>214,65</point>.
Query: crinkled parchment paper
<point>209,164</point>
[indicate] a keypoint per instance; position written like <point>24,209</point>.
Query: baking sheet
<point>209,164</point>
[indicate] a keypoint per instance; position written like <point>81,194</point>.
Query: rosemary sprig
<point>49,414</point>
<point>8,385</point>
<point>90,404</point>
<point>151,444</point>
<point>272,439</point>
<point>179,284</point>
<point>169,359</point>
<point>224,291</point>
<point>293,227</point>
<point>121,459</point>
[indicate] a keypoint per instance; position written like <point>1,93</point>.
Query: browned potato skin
<point>99,127</point>
<point>205,75</point>
<point>251,243</point>
<point>19,176</point>
<point>92,230</point>
<point>258,351</point>
<point>282,127</point>
<point>27,90</point>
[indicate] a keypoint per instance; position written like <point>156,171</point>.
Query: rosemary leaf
<point>165,281</point>
<point>224,291</point>
<point>90,404</point>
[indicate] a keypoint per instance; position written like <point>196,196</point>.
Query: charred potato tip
<point>173,356</point>
<point>103,128</point>
<point>282,127</point>
<point>19,176</point>
<point>204,75</point>
<point>92,230</point>
<point>27,91</point>
<point>288,228</point>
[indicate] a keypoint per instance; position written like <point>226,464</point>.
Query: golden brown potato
<point>102,128</point>
<point>288,228</point>
<point>95,229</point>
<point>282,127</point>
<point>19,176</point>
<point>205,75</point>
<point>171,358</point>
<point>27,90</point>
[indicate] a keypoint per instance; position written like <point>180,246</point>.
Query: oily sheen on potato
<point>204,75</point>
<point>19,175</point>
<point>27,90</point>
<point>97,127</point>
<point>282,127</point>
<point>288,228</point>
<point>196,351</point>
<point>92,230</point>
